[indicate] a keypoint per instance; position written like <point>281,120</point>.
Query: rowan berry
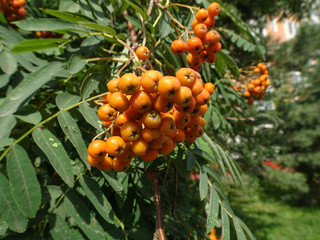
<point>151,154</point>
<point>97,148</point>
<point>115,145</point>
<point>178,47</point>
<point>141,101</point>
<point>151,119</point>
<point>200,30</point>
<point>118,101</point>
<point>130,131</point>
<point>142,52</point>
<point>106,113</point>
<point>202,15</point>
<point>214,9</point>
<point>168,86</point>
<point>129,83</point>
<point>194,46</point>
<point>150,80</point>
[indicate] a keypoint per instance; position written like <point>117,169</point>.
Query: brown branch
<point>174,204</point>
<point>157,204</point>
<point>150,7</point>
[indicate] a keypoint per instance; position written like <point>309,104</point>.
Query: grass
<point>272,219</point>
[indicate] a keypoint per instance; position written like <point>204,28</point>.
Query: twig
<point>157,203</point>
<point>123,67</point>
<point>150,7</point>
<point>106,59</point>
<point>174,204</point>
<point>239,119</point>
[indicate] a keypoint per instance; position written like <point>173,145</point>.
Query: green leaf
<point>3,225</point>
<point>191,159</point>
<point>165,26</point>
<point>60,230</point>
<point>32,45</point>
<point>6,125</point>
<point>203,184</point>
<point>82,217</point>
<point>138,9</point>
<point>113,181</point>
<point>8,63</point>
<point>213,210</point>
<point>5,142</point>
<point>215,119</point>
<point>70,17</point>
<point>203,155</point>
<point>213,174</point>
<point>3,18</point>
<point>180,164</point>
<point>245,228</point>
<point>89,84</point>
<point>219,64</point>
<point>216,152</point>
<point>65,100</point>
<point>225,224</point>
<point>56,154</point>
<point>226,160</point>
<point>134,22</point>
<point>90,115</point>
<point>73,133</point>
<point>23,181</point>
<point>97,198</point>
<point>9,211</point>
<point>229,61</point>
<point>47,24</point>
<point>28,86</point>
<point>29,114</point>
<point>76,64</point>
<point>239,230</point>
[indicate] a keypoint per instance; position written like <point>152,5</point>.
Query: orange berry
<point>197,87</point>
<point>197,131</point>
<point>200,30</point>
<point>201,15</point>
<point>203,98</point>
<point>181,119</point>
<point>212,37</point>
<point>157,143</point>
<point>214,48</point>
<point>150,155</point>
<point>130,131</point>
<point>150,134</point>
<point>194,60</point>
<point>203,110</point>
<point>95,161</point>
<point>113,85</point>
<point>256,70</point>
<point>115,131</point>
<point>246,94</point>
<point>180,136</point>
<point>120,166</point>
<point>194,23</point>
<point>122,118</point>
<point>115,145</point>
<point>139,147</point>
<point>150,80</point>
<point>250,101</point>
<point>129,83</point>
<point>162,104</point>
<point>251,87</point>
<point>210,22</point>
<point>196,111</point>
<point>141,101</point>
<point>151,119</point>
<point>194,45</point>
<point>209,87</point>
<point>107,113</point>
<point>127,155</point>
<point>187,109</point>
<point>97,148</point>
<point>212,58</point>
<point>267,82</point>
<point>189,137</point>
<point>106,164</point>
<point>178,47</point>
<point>167,125</point>
<point>183,97</point>
<point>131,114</point>
<point>214,9</point>
<point>193,123</point>
<point>186,76</point>
<point>22,11</point>
<point>118,101</point>
<point>142,52</point>
<point>168,86</point>
<point>167,146</point>
<point>202,122</point>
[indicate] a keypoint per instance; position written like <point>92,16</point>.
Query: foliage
<point>47,117</point>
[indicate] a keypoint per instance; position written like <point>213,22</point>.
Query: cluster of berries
<point>149,115</point>
<point>13,9</point>
<point>206,43</point>
<point>46,34</point>
<point>258,86</point>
